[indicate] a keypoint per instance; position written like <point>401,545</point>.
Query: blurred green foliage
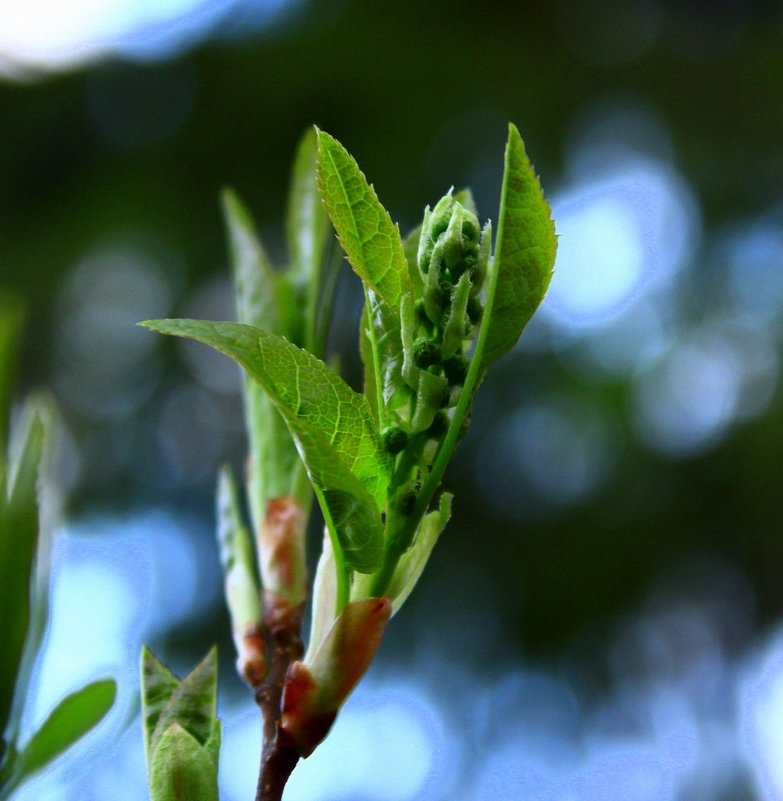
<point>25,546</point>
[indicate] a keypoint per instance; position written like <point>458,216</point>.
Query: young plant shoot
<point>439,308</point>
<point>25,549</point>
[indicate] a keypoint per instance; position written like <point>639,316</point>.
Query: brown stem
<point>283,623</point>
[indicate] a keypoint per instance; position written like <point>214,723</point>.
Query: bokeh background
<point>601,619</point>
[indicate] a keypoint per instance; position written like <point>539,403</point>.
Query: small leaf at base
<point>72,718</point>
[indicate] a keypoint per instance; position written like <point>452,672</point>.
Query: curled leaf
<point>331,424</point>
<point>413,561</point>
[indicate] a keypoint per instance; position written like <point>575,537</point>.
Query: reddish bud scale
<point>281,549</point>
<point>313,693</point>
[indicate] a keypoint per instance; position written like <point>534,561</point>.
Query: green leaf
<point>71,719</point>
<point>236,555</point>
<point>263,297</point>
<point>18,543</point>
<point>11,316</point>
<point>413,561</point>
<point>193,702</point>
<point>410,247</point>
<point>369,355</point>
<point>181,733</point>
<point>307,225</point>
<point>214,741</point>
<point>304,389</point>
<point>465,197</point>
<point>331,424</point>
<point>157,684</point>
<point>524,254</point>
<point>241,588</point>
<point>190,702</point>
<point>387,334</point>
<point>182,769</point>
<point>369,237</point>
<point>358,527</point>
<point>324,595</point>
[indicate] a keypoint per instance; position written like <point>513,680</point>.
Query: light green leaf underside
<point>358,526</point>
<point>368,354</point>
<point>414,560</point>
<point>259,289</point>
<point>237,556</point>
<point>524,253</point>
<point>264,298</point>
<point>387,330</point>
<point>367,234</point>
<point>410,246</point>
<point>331,424</point>
<point>71,719</point>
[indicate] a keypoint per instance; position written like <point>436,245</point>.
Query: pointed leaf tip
<point>70,720</point>
<point>370,239</point>
<point>191,702</point>
<point>524,254</point>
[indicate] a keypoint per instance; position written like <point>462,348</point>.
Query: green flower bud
<point>395,440</point>
<point>428,400</point>
<point>474,310</point>
<point>457,324</point>
<point>424,253</point>
<point>467,264</point>
<point>434,297</point>
<point>439,426</point>
<point>441,215</point>
<point>456,370</point>
<point>456,245</point>
<point>451,245</point>
<point>482,262</point>
<point>426,353</point>
<point>470,229</point>
<point>452,239</point>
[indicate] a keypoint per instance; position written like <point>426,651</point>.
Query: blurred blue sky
<point>44,35</point>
